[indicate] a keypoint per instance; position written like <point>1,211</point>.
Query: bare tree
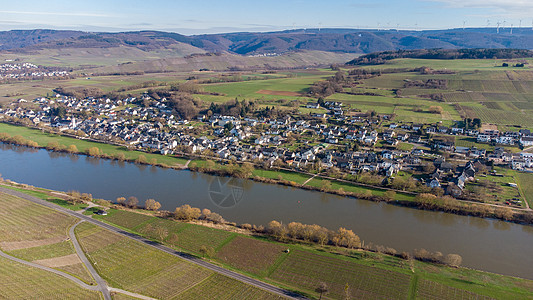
<point>132,202</point>
<point>453,260</point>
<point>121,200</point>
<point>322,289</point>
<point>151,204</point>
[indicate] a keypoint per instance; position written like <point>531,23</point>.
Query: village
<point>350,145</point>
<point>17,71</point>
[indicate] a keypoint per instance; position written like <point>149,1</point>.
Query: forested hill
<point>382,57</point>
<point>355,41</point>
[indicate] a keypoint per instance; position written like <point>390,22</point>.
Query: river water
<point>488,245</point>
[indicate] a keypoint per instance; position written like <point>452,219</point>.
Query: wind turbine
<point>464,24</point>
<point>511,29</point>
<point>397,27</point>
<point>498,27</point>
<point>488,23</point>
<point>319,25</point>
<point>520,24</point>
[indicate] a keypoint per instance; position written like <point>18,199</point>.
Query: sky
<point>216,16</point>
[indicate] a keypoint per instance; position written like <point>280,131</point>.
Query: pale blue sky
<point>208,16</point>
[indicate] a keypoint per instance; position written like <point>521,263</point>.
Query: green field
<point>525,180</point>
<point>285,175</point>
<point>251,255</point>
<point>306,270</point>
<point>478,89</point>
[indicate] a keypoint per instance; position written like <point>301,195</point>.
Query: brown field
<point>485,126</point>
<point>250,255</point>
<point>61,261</point>
<point>279,93</point>
<point>10,246</point>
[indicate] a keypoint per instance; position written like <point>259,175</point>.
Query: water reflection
<point>73,157</point>
<point>479,223</point>
<point>94,161</point>
<point>503,226</point>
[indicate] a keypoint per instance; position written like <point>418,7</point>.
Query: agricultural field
<point>22,221</point>
<point>306,271</point>
<point>430,290</point>
<point>133,266</point>
<point>18,281</point>
<point>37,234</point>
<point>251,255</point>
<point>478,89</point>
<point>189,237</point>
<point>125,219</point>
<point>221,287</point>
<point>193,237</point>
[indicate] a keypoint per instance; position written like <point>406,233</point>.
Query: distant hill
<point>332,40</point>
<point>382,57</point>
<point>228,62</point>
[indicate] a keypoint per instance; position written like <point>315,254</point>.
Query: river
<point>488,245</point>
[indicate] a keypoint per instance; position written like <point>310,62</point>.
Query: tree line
<point>378,58</point>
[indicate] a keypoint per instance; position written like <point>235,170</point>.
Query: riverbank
<point>316,182</point>
<point>368,274</point>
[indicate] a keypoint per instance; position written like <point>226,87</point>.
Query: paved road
<point>102,285</point>
<point>185,256</point>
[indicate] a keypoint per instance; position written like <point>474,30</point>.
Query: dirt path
<point>307,181</point>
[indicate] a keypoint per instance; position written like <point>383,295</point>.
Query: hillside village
<point>349,144</point>
<point>18,71</point>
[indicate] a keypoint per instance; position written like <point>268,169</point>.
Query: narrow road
<point>185,256</point>
<point>102,285</point>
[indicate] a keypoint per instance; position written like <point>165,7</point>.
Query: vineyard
<point>126,219</point>
<point>307,270</point>
<point>131,265</point>
<point>193,237</point>
<point>430,290</point>
<point>20,219</point>
<point>18,281</point>
<point>250,255</point>
<point>221,287</point>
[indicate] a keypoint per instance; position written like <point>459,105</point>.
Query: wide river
<point>489,245</point>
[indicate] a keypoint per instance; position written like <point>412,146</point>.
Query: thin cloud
<point>45,13</point>
<point>515,5</point>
